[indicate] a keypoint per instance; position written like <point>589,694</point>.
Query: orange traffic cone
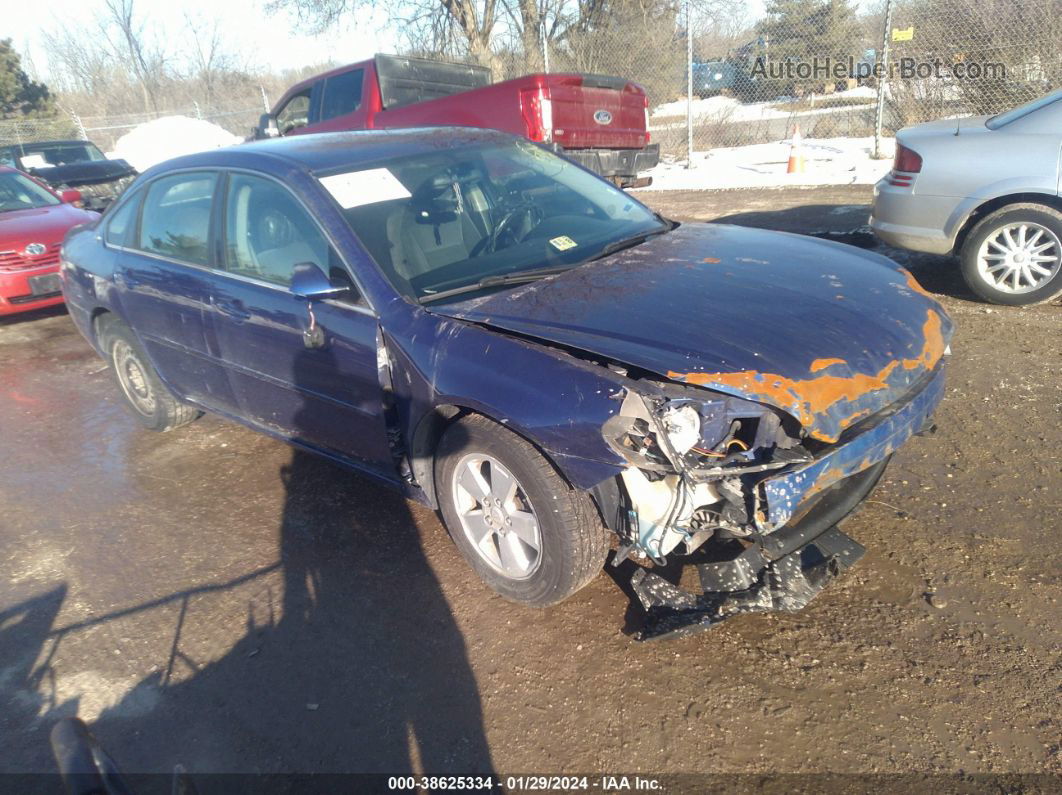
<point>796,155</point>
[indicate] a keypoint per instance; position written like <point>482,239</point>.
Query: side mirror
<point>71,197</point>
<point>267,126</point>
<point>310,282</point>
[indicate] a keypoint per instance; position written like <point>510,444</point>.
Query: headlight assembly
<point>682,424</point>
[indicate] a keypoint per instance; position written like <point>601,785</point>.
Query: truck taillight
<point>906,160</point>
<point>537,111</point>
<point>645,100</point>
<point>545,105</point>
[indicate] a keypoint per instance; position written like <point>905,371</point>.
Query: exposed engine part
<point>662,509</point>
<point>690,459</point>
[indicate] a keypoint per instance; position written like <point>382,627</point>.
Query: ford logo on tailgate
<point>603,116</point>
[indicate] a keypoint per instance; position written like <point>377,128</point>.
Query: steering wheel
<point>507,225</point>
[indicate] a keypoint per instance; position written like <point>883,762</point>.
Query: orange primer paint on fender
<point>813,396</point>
<point>822,364</point>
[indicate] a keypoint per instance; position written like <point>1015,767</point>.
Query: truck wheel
<point>529,536</point>
<point>1014,255</point>
<point>155,407</point>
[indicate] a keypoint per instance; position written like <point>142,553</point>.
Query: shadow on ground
<point>357,666</point>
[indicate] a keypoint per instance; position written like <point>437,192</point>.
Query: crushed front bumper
<point>799,548</point>
<point>748,584</point>
<point>782,496</point>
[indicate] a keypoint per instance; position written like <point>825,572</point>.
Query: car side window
<point>342,94</point>
<point>295,113</point>
<point>120,224</point>
<point>268,233</point>
<point>176,217</point>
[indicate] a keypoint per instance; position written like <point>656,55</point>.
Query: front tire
<point>148,399</point>
<point>1013,256</point>
<point>526,532</point>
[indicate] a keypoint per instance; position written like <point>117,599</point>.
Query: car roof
<point>26,144</point>
<point>334,152</point>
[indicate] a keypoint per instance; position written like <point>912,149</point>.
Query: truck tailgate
<point>595,111</point>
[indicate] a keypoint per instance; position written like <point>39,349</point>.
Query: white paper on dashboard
<point>364,187</point>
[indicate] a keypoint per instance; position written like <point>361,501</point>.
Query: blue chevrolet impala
<point>505,337</point>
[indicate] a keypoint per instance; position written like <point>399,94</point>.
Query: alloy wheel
<point>1019,258</point>
<point>496,516</point>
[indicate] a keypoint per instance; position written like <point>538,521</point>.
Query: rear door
<point>164,256</point>
<point>596,111</point>
<point>328,397</point>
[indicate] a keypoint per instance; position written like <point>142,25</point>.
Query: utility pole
<point>545,45</point>
<point>884,61</point>
<point>689,85</point>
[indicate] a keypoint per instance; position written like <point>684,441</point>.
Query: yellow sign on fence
<point>903,35</point>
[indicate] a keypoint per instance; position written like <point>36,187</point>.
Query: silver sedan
<point>986,189</point>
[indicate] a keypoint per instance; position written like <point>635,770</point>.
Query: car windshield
<point>48,155</point>
<point>440,222</point>
<point>19,192</point>
<point>1003,119</point>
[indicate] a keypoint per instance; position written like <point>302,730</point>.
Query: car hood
<point>19,228</point>
<point>825,332</point>
<point>87,173</point>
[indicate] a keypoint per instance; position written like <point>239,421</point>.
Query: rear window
<point>342,94</point>
<point>1003,119</point>
<point>120,223</point>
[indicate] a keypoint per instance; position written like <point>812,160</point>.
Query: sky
<point>267,41</point>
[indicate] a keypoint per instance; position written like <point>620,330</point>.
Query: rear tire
<point>142,391</point>
<point>1013,256</point>
<point>525,531</point>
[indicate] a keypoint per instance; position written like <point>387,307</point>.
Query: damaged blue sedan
<point>511,340</point>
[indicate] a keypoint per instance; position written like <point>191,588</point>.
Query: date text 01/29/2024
<point>525,783</point>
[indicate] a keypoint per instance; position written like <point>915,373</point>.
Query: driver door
<point>329,397</point>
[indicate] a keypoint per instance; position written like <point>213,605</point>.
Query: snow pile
<point>168,137</point>
<point>828,161</point>
<point>727,109</point>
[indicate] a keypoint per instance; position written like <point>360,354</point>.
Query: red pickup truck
<point>595,120</point>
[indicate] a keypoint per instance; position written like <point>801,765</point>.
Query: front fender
<point>553,399</point>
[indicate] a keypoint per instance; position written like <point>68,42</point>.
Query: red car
<point>33,222</point>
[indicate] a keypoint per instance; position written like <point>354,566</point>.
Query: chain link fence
<point>816,64</point>
<point>828,66</point>
<point>104,131</point>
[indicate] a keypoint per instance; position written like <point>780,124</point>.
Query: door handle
<point>233,308</point>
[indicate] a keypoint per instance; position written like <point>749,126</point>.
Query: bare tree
<point>211,59</point>
<point>129,42</point>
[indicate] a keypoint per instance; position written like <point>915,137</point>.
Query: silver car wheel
<point>133,379</point>
<point>496,516</point>
<point>1019,258</point>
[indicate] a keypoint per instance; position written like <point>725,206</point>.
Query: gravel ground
<point>210,598</point>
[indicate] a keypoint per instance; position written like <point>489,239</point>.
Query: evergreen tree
<point>20,96</point>
<point>800,30</point>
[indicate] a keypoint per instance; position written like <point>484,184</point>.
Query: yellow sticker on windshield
<point>562,243</point>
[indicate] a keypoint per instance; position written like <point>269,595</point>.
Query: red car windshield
<point>19,192</point>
